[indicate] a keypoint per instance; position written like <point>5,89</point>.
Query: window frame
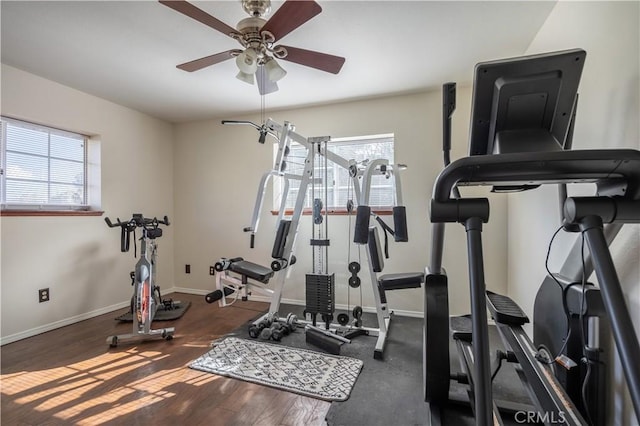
<point>44,209</point>
<point>340,210</point>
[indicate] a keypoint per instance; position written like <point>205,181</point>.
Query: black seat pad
<point>252,270</point>
<point>401,281</point>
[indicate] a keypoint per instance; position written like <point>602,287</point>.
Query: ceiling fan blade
<point>199,15</point>
<point>265,86</point>
<point>313,59</point>
<point>290,16</point>
<point>198,64</point>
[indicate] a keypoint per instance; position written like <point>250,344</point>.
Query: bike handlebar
<point>138,221</point>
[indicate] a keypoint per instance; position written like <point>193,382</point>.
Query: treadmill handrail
<point>536,168</point>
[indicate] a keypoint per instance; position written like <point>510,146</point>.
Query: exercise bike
<point>146,297</point>
<point>521,126</point>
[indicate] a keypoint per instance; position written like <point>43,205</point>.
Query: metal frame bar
<point>615,305</point>
<point>225,279</point>
<point>480,329</point>
<point>382,313</point>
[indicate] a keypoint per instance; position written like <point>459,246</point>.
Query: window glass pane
<point>343,195</point>
<point>42,165</point>
<point>340,189</point>
<point>382,193</point>
<point>295,159</point>
<point>63,171</point>
<point>27,140</point>
<point>67,147</point>
<point>66,194</point>
<point>23,166</point>
<point>22,192</point>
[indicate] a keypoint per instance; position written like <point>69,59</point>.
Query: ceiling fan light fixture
<point>274,71</point>
<point>247,61</point>
<point>246,77</point>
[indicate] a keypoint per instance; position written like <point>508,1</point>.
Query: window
<point>340,190</point>
<point>42,168</point>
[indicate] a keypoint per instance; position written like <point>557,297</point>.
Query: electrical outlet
<point>187,269</point>
<point>212,270</point>
<point>43,295</point>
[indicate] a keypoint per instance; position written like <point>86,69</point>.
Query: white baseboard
<point>77,318</point>
<point>296,302</point>
<point>61,323</point>
<point>72,320</point>
<point>196,291</point>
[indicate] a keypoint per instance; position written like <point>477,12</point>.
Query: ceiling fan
<point>258,38</point>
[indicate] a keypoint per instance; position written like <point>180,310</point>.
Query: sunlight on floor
<point>65,391</point>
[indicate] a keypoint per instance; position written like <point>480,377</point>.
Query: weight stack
<point>320,293</point>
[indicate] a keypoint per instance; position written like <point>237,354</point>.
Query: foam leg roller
<point>401,233</point>
<point>279,264</point>
<point>361,233</point>
<point>214,296</point>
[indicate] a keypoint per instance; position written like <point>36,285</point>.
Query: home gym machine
<point>146,297</point>
<point>521,122</point>
<point>239,276</point>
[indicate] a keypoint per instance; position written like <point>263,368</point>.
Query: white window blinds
<point>356,148</point>
<point>42,167</point>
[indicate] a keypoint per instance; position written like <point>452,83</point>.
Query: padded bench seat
<point>252,270</point>
<point>401,281</point>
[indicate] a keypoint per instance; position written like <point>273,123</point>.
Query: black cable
<point>546,261</point>
<point>564,302</point>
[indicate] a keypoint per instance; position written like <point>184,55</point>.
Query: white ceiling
<point>127,51</point>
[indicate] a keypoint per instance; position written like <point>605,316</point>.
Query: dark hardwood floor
<point>71,376</point>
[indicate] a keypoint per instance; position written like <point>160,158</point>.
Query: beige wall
<point>218,168</point>
<point>607,117</point>
<point>79,258</point>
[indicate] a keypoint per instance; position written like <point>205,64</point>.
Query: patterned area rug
<point>309,373</point>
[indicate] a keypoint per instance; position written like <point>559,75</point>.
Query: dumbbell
<point>255,330</point>
<point>292,322</point>
<point>274,332</point>
<point>284,327</point>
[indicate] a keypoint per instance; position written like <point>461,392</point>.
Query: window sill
<point>380,211</point>
<point>16,212</point>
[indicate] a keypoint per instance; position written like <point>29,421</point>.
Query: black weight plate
<point>354,267</point>
<point>357,312</point>
<point>343,319</point>
<point>354,281</point>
